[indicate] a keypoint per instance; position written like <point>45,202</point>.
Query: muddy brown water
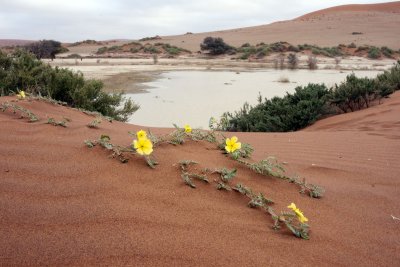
<point>192,97</point>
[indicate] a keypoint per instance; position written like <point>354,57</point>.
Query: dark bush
<point>387,52</point>
<point>22,71</point>
<point>354,93</point>
<point>46,48</point>
<point>289,113</point>
<point>310,103</point>
<point>293,61</point>
<point>390,78</point>
<point>215,46</point>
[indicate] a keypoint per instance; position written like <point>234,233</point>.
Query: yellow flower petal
<point>298,212</point>
<point>292,206</point>
<point>232,144</point>
<point>141,134</point>
<point>237,146</point>
<point>228,141</point>
<point>143,146</point>
<point>135,144</point>
<point>188,129</point>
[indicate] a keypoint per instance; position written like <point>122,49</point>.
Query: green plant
<point>374,52</point>
<point>142,146</point>
<point>354,93</point>
<point>23,111</point>
<point>23,70</point>
<point>187,176</point>
<point>62,123</point>
<point>389,80</point>
<point>290,113</point>
<point>102,50</point>
<point>94,123</point>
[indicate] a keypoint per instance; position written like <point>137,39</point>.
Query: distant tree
<point>293,60</point>
<point>46,48</point>
<point>215,46</point>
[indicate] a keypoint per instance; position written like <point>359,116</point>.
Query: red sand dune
<point>378,23</point>
<point>390,7</point>
<point>62,203</point>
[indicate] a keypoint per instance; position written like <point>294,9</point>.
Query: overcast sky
<point>74,20</point>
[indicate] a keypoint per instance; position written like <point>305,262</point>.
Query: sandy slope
<point>378,24</point>
<point>62,203</point>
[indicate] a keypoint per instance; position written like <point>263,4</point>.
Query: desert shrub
<point>352,45</point>
<point>292,48</point>
<point>312,62</point>
<point>215,46</point>
<point>277,47</point>
<point>247,50</point>
<point>46,48</point>
<point>354,93</point>
<point>102,50</point>
<point>150,38</point>
<point>173,50</point>
<point>22,71</point>
<point>151,49</point>
<point>326,51</point>
<point>310,103</point>
<point>293,61</point>
<point>281,114</point>
<point>387,52</point>
<point>114,48</point>
<point>389,78</point>
<point>89,42</point>
<point>74,56</point>
<point>374,52</point>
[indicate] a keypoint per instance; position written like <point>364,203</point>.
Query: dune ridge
<point>62,203</point>
<point>389,7</point>
<point>378,24</point>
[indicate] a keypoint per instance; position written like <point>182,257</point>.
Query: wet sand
<point>127,74</point>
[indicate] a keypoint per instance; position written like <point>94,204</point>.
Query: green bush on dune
<point>22,71</point>
<point>310,103</point>
<point>281,114</point>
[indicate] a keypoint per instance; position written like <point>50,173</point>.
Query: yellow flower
<point>143,146</point>
<point>21,95</point>
<point>188,129</point>
<point>298,213</point>
<point>232,144</point>
<point>141,135</point>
